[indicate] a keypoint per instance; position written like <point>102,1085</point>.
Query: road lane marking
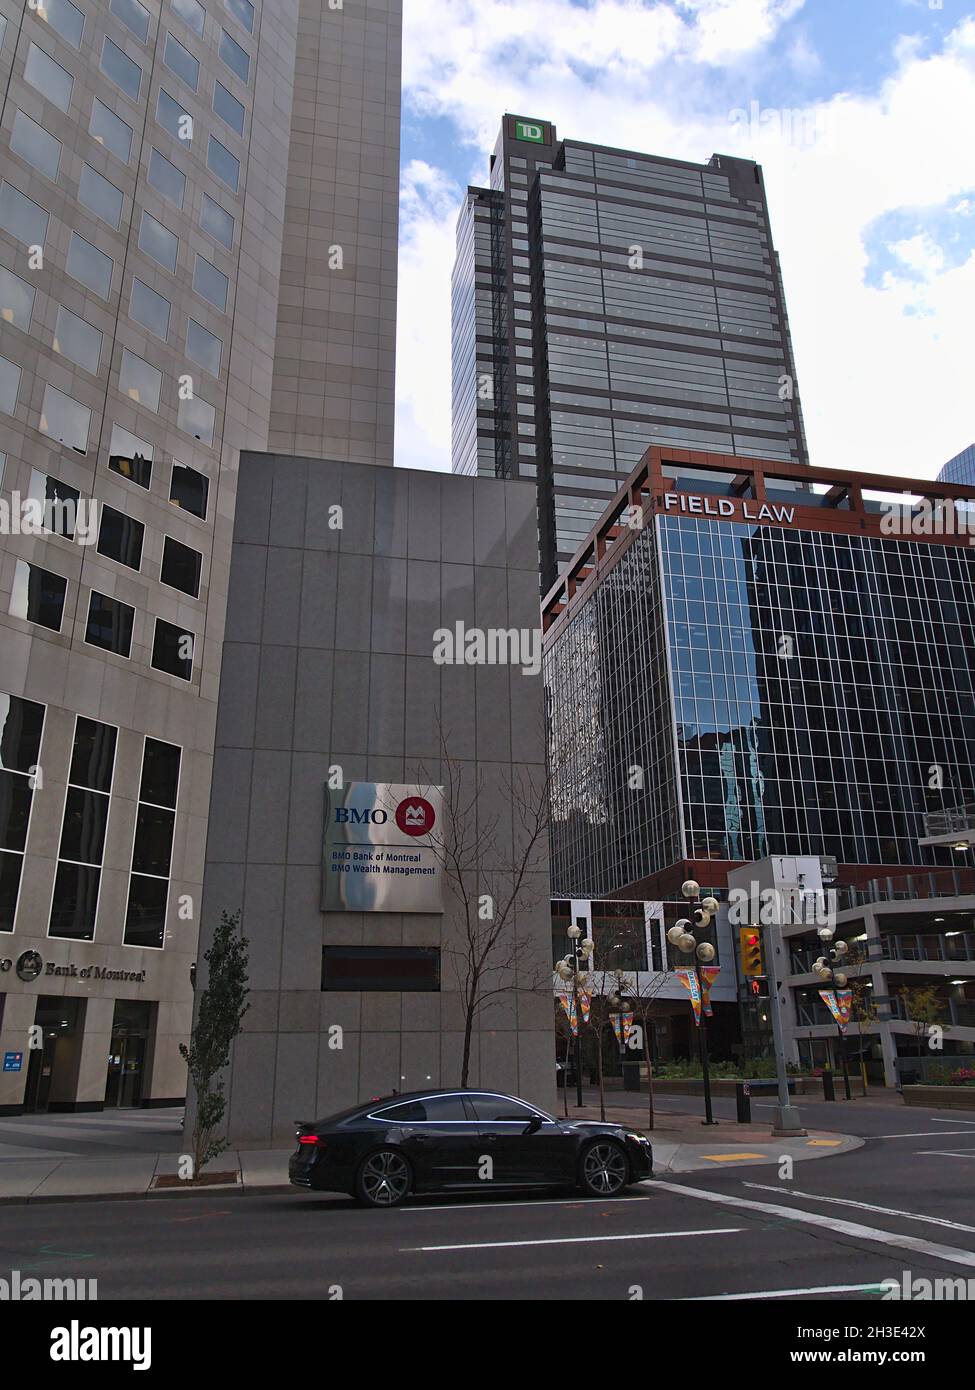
<point>786,1293</point>
<point>947,1153</point>
<point>952,1254</point>
<point>823,1143</point>
<point>923,1133</point>
<point>572,1240</point>
<point>863,1206</point>
<point>731,1158</point>
<point>951,1122</point>
<point>526,1202</point>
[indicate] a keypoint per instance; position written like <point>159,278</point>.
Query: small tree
<point>219,1016</point>
<point>923,1007</point>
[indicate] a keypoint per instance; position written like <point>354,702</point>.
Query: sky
<point>862,113</point>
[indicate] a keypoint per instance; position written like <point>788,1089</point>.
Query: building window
<point>120,537</point>
<point>192,12</point>
<point>243,12</point>
<point>198,418</point>
<point>139,380</point>
<point>218,222</point>
<point>173,117</point>
<point>118,66</point>
<point>181,567</point>
<point>152,853</point>
<point>211,283</point>
<point>189,489</point>
<point>181,61</point>
<point>49,77</point>
<point>66,420</point>
<point>131,457</point>
<point>234,56</point>
<point>22,218</point>
<point>65,18</point>
<point>89,266</point>
<point>110,131</point>
<point>222,163</point>
<point>82,848</point>
<point>36,146</point>
<point>57,501</point>
<point>100,197</point>
<point>150,309</point>
<point>228,108</point>
<point>173,649</point>
<point>38,596</point>
<point>165,177</point>
<point>204,347</point>
<point>109,624</point>
<point>158,242</point>
<point>10,375</point>
<point>77,340</point>
<point>134,16</point>
<point>21,728</point>
<point>404,969</point>
<point>16,300</point>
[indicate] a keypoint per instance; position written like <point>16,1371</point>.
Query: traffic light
<point>750,942</point>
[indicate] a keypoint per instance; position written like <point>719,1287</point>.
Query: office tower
<point>605,300</point>
<point>960,469</point>
<point>333,389</point>
<point>737,669</point>
<point>154,168</point>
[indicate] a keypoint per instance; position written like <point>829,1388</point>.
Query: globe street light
<point>681,935</point>
<point>570,968</point>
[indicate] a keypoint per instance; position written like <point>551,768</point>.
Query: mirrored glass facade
<point>730,691</point>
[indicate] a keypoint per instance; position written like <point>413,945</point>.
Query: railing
<point>939,883</point>
<point>952,947</point>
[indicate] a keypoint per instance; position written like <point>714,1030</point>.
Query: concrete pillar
<point>17,1017</point>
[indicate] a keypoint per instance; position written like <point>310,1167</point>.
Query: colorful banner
<point>840,1004</point>
<point>569,1004</point>
<point>622,1026</point>
<point>709,973</point>
<point>584,1005</point>
<point>688,979</point>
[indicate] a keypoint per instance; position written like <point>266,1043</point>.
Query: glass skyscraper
<point>606,300</point>
<point>960,469</point>
<point>727,682</point>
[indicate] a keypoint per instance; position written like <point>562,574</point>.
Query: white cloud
<point>883,368</point>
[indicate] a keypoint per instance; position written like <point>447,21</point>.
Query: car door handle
<point>491,1136</point>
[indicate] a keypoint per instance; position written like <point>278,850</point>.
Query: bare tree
<point>493,868</point>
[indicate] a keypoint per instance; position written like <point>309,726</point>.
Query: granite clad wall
<point>328,660</point>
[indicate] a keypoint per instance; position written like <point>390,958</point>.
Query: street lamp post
<point>827,967</point>
<point>681,935</point>
<point>570,968</point>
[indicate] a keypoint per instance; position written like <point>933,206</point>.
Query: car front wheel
<point>603,1170</point>
<point>384,1179</point>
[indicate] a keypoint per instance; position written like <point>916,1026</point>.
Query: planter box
<point>725,1086</point>
<point>940,1097</point>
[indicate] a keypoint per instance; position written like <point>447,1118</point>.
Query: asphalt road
<point>838,1228</point>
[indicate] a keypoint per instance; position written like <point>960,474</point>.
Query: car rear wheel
<point>384,1179</point>
<point>603,1170</point>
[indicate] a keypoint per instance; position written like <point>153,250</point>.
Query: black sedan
<point>455,1141</point>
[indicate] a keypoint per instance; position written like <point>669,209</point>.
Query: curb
<point>155,1194</point>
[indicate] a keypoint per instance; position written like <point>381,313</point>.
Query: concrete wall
<point>328,661</point>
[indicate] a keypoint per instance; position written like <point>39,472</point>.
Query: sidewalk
<point>680,1145</point>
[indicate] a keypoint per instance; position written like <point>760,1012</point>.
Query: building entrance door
<point>127,1056</point>
<point>58,1020</point>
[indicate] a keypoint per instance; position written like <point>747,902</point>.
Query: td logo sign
<point>530,130</point>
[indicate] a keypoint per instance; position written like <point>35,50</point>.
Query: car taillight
<point>309,1139</point>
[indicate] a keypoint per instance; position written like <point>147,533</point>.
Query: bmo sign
<point>382,848</point>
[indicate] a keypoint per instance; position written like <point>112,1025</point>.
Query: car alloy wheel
<point>604,1169</point>
<point>384,1179</point>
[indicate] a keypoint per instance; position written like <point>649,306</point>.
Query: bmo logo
<point>415,816</point>
<point>348,815</point>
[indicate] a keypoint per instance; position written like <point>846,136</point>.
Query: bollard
<point>828,1091</point>
<point>744,1100</point>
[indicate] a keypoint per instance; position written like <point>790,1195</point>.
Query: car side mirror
<point>534,1124</point>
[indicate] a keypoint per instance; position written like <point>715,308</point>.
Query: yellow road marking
<point>823,1143</point>
<point>730,1158</point>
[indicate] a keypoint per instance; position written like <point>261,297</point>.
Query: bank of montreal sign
<point>378,850</point>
